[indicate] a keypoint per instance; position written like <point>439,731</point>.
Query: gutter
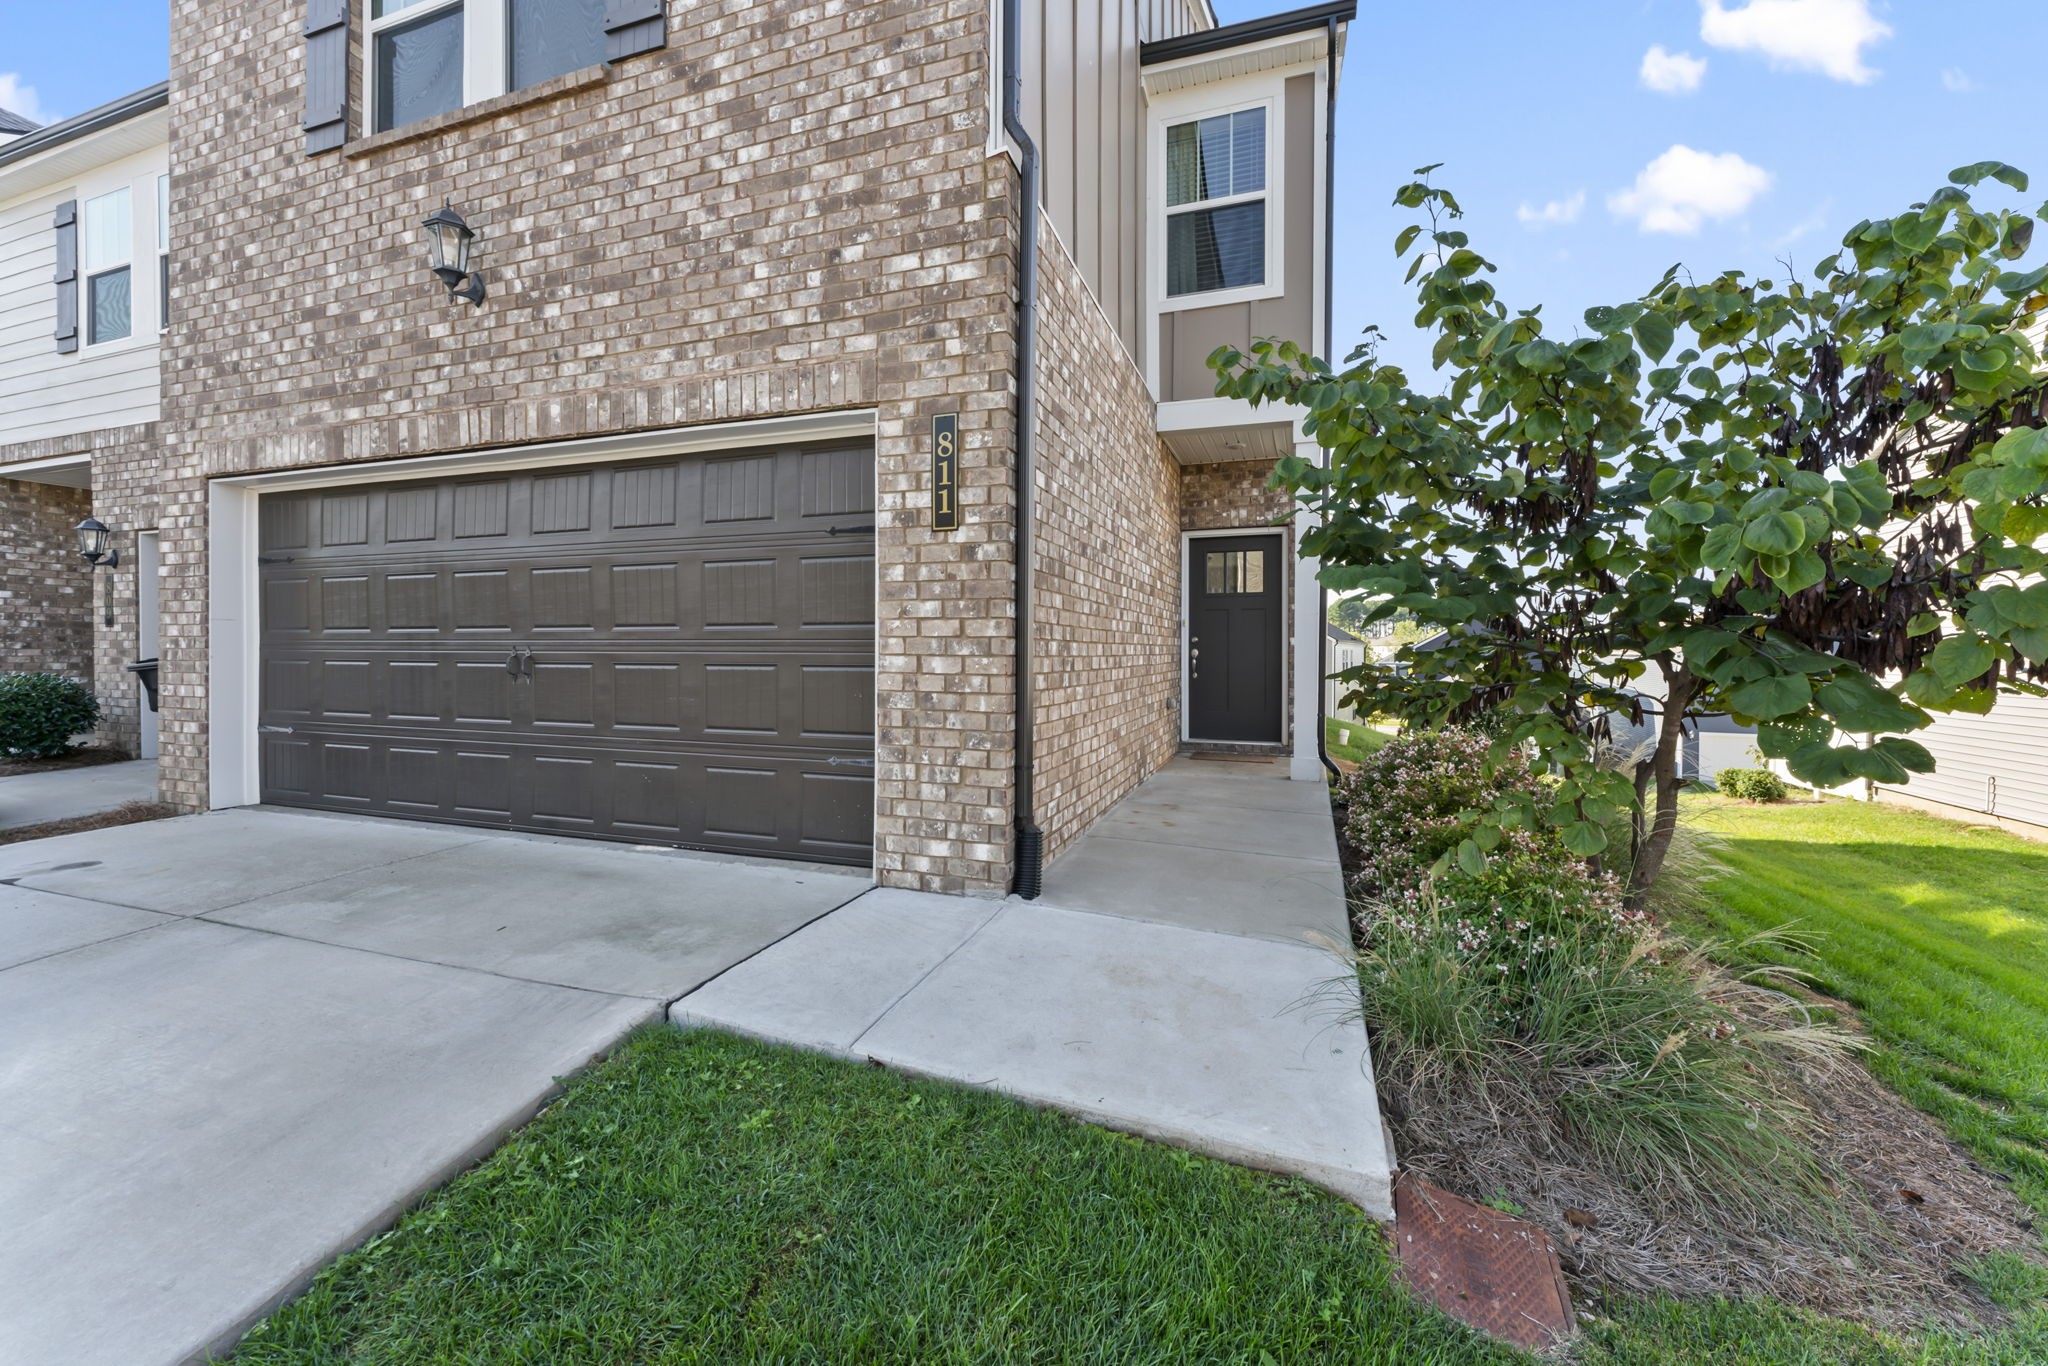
<point>1030,844</point>
<point>86,124</point>
<point>1329,351</point>
<point>1250,31</point>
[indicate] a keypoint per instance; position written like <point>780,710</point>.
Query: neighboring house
<point>1993,765</point>
<point>1344,651</point>
<point>83,259</point>
<point>703,526</point>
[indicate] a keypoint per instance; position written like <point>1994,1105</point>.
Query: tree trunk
<point>1663,776</point>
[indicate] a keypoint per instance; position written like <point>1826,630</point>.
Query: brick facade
<point>1232,494</point>
<point>45,592</point>
<point>1107,638</point>
<point>788,209</point>
<point>62,624</point>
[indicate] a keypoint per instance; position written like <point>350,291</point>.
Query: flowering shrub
<point>1413,802</point>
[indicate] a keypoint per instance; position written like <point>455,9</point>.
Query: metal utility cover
<point>676,651</point>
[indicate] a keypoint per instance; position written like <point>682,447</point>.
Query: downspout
<point>1329,349</point>
<point>1030,847</point>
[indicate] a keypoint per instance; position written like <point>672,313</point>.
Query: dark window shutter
<point>326,75</point>
<point>632,26</point>
<point>66,225</point>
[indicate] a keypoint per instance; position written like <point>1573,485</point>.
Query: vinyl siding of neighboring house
<point>1994,765</point>
<point>46,393</point>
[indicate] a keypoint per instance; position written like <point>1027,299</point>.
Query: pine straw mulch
<point>83,757</point>
<point>1933,1211</point>
<point>133,813</point>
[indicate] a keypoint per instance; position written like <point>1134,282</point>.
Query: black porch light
<point>448,243</point>
<point>96,543</point>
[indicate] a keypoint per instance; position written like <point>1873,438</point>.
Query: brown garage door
<point>674,651</point>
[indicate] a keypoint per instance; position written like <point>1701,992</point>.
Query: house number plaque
<point>946,472</point>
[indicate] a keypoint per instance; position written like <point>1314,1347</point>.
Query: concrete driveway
<point>233,1044</point>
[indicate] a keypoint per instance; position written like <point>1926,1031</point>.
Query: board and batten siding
<point>45,393</point>
<point>1995,764</point>
<point>1086,110</point>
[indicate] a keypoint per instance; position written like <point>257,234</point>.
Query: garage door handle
<point>836,761</point>
<point>526,662</point>
<point>848,530</point>
<point>273,730</point>
<point>512,664</point>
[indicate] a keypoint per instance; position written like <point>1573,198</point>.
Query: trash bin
<point>145,674</point>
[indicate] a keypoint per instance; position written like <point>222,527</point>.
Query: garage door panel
<point>676,651</point>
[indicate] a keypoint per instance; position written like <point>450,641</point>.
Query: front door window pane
<point>552,37</point>
<point>108,306</point>
<point>419,69</point>
<point>1234,571</point>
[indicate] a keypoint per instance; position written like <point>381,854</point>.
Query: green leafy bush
<point>1752,784</point>
<point>39,713</point>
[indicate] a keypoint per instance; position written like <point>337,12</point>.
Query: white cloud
<point>1827,36</point>
<point>17,98</point>
<point>1554,214</point>
<point>1683,188</point>
<point>1956,81</point>
<point>1671,73</point>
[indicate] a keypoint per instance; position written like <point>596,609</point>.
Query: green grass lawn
<point>1350,741</point>
<point>700,1198</point>
<point>1936,931</point>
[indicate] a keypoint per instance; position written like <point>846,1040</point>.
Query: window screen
<point>109,247</point>
<point>419,66</point>
<point>551,37</point>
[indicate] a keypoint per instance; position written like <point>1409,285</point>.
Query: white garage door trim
<point>234,776</point>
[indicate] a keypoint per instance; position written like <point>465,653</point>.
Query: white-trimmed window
<point>163,252</point>
<point>108,256</point>
<point>1219,221</point>
<point>427,57</point>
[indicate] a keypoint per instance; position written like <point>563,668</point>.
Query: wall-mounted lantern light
<point>448,243</point>
<point>96,543</point>
<point>96,547</point>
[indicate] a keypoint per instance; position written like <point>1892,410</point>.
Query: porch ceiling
<point>1219,445</point>
<point>70,471</point>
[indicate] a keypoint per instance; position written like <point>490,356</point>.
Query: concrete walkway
<point>238,1044</point>
<point>1188,1007</point>
<point>63,794</point>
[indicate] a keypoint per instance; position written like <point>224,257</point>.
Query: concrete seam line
<point>207,919</point>
<point>853,1045</point>
<point>110,939</point>
<point>671,1001</point>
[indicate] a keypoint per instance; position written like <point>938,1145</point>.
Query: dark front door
<point>674,651</point>
<point>1234,635</point>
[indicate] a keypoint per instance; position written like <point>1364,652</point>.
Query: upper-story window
<point>1216,201</point>
<point>430,56</point>
<point>109,253</point>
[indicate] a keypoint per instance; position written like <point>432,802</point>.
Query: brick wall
<point>125,474</point>
<point>45,589</point>
<point>1231,494</point>
<point>788,209</point>
<point>1107,639</point>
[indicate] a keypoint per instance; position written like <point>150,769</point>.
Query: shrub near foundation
<point>39,713</point>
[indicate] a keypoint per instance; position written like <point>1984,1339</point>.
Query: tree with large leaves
<point>1818,506</point>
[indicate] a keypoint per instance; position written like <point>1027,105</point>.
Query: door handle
<point>526,661</point>
<point>512,664</point>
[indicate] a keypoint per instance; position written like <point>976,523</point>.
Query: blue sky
<point>1806,116</point>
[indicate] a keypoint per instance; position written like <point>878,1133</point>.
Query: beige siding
<point>44,393</point>
<point>1995,764</point>
<point>1187,336</point>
